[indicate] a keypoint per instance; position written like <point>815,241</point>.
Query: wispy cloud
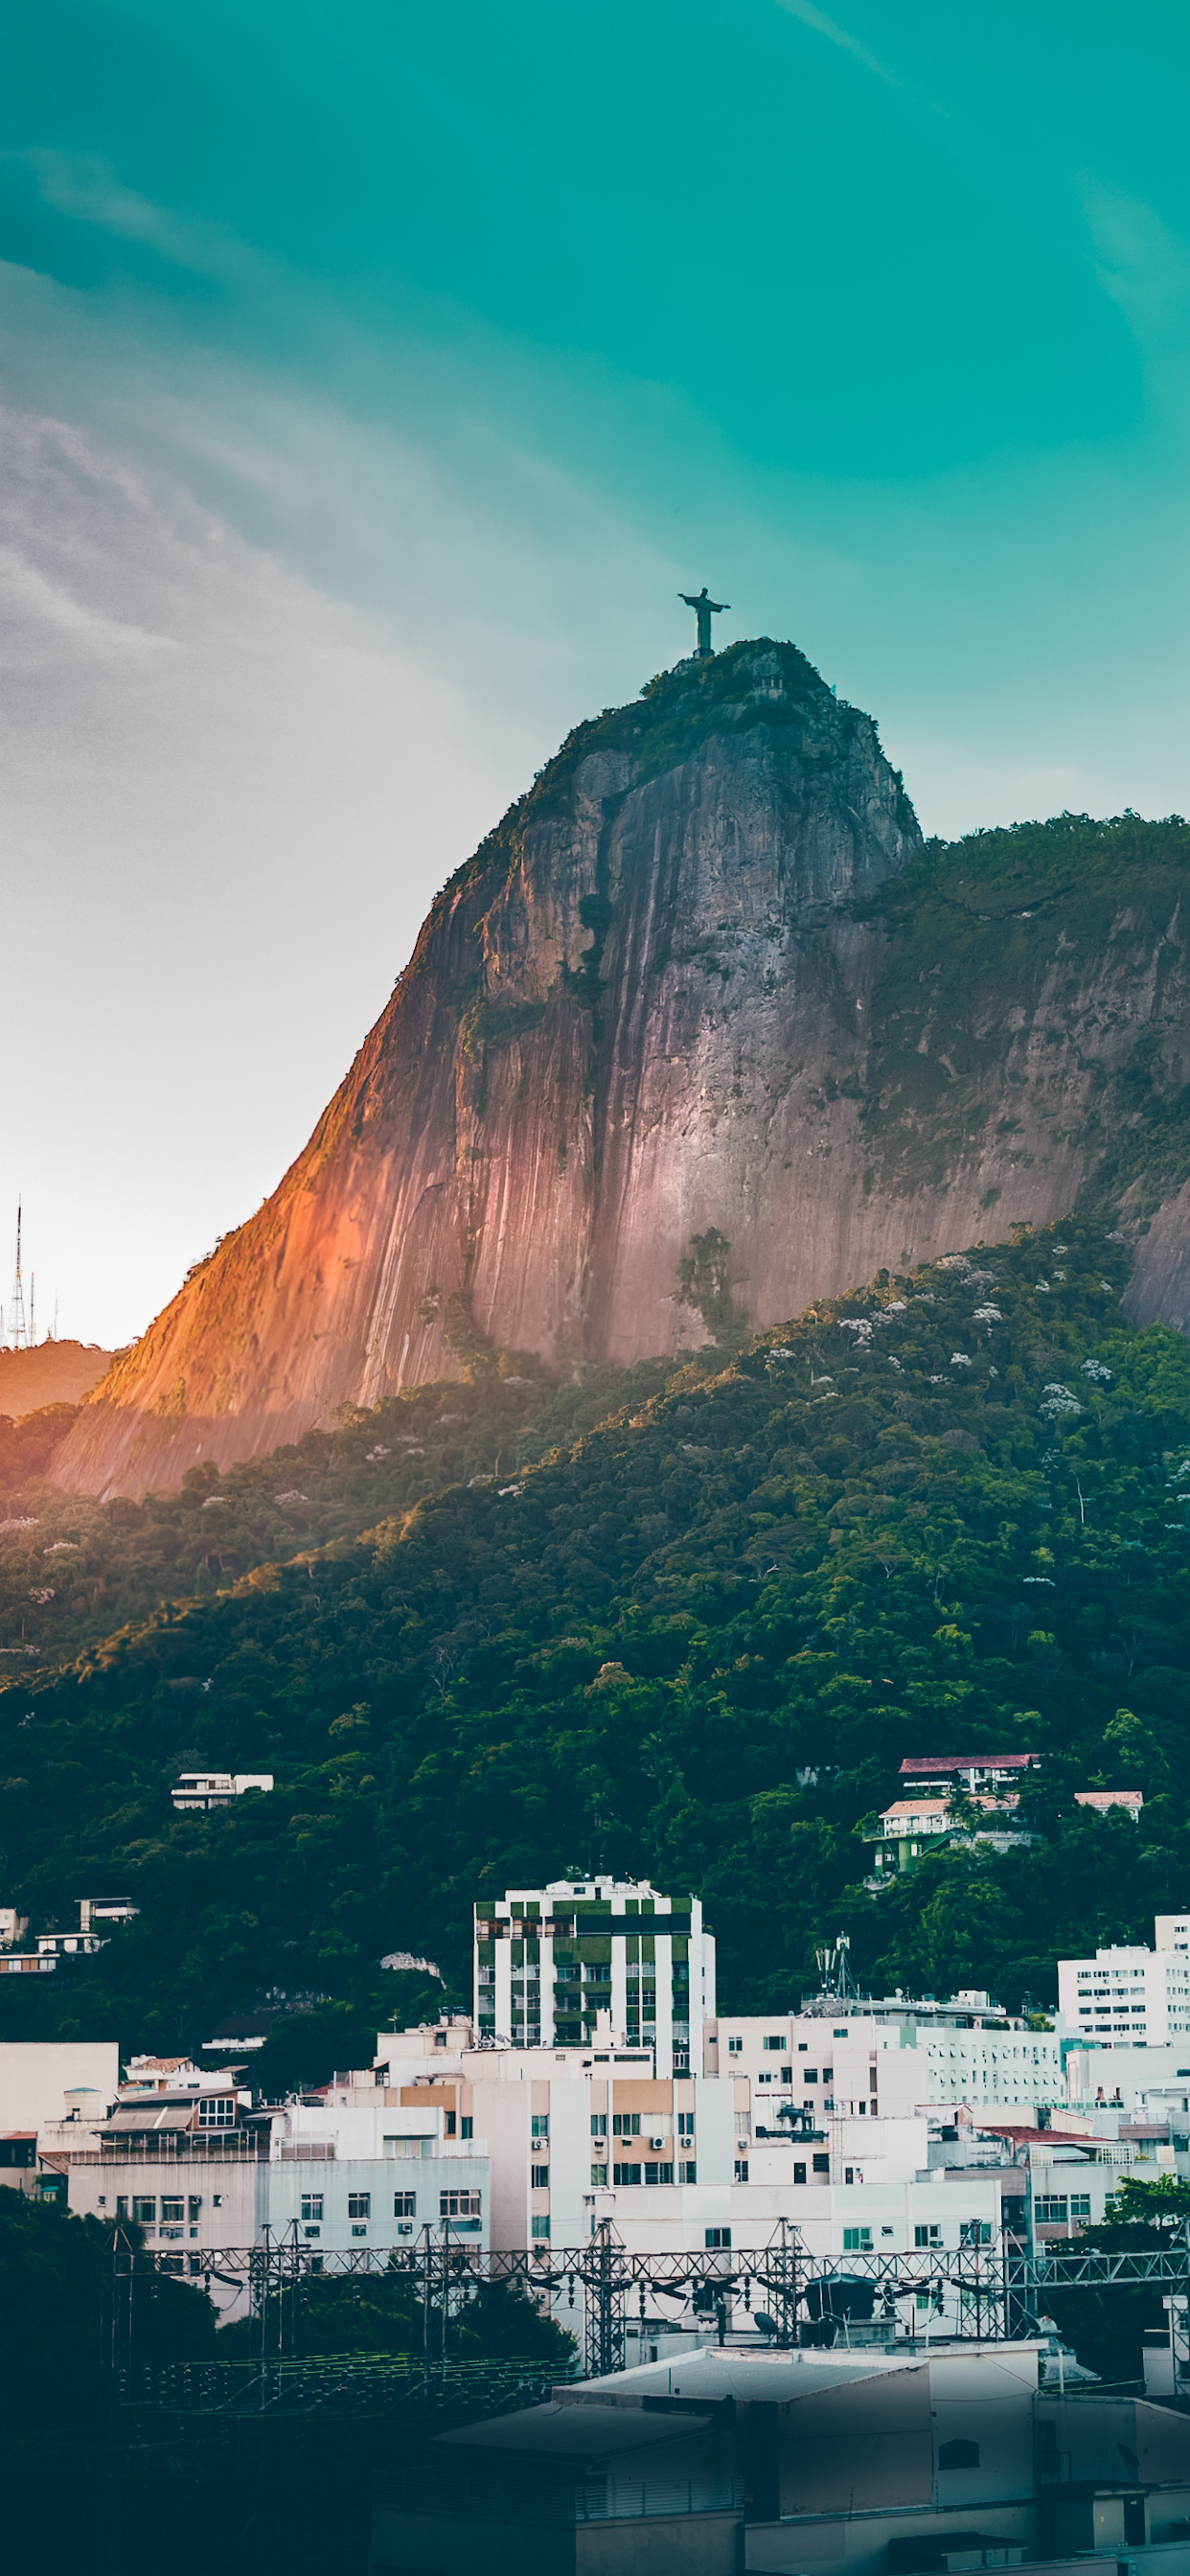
<point>49,604</point>
<point>1143,265</point>
<point>821,25</point>
<point>87,190</point>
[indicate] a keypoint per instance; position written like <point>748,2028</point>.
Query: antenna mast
<point>17,1329</point>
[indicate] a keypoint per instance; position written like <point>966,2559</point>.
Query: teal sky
<point>374,377</point>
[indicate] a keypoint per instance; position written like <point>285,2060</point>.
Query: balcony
<point>179,2146</point>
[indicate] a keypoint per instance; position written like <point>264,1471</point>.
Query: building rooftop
<point>576,2432</point>
<point>781,2379</point>
<point>927,1766</point>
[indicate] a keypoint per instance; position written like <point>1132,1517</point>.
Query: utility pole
<point>445,2290</point>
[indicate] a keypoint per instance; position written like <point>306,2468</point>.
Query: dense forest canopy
<point>696,1639</point>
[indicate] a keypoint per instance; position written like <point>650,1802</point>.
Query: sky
<point>373,377</point>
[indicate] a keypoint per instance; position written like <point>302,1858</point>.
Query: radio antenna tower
<point>17,1330</point>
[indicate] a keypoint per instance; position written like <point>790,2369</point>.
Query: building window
<point>809,2075</point>
<point>217,2111</point>
<point>539,2177</point>
<point>359,2231</point>
<point>688,2172</point>
<point>958,2455</point>
<point>777,2042</point>
<point>1080,2204</point>
<point>857,2240</point>
<point>741,2169</point>
<point>311,2204</point>
<point>404,2204</point>
<point>659,2173</point>
<point>467,2125</point>
<point>822,2164</point>
<point>195,2204</point>
<point>599,2124</point>
<point>359,2204</point>
<point>459,2204</point>
<point>172,2209</point>
<point>975,2231</point>
<point>450,2123</point>
<point>539,2126</point>
<point>927,2236</point>
<point>625,2124</point>
<point>685,2124</point>
<point>541,2229</point>
<point>1050,2210</point>
<point>599,2177</point>
<point>735,2048</point>
<point>143,2210</point>
<point>626,2175</point>
<point>718,2240</point>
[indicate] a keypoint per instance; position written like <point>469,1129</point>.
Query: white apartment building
<point>1128,1996</point>
<point>571,2134</point>
<point>858,2065</point>
<point>200,2173</point>
<point>550,1961</point>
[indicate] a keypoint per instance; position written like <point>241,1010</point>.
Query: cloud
<point>1143,265</point>
<point>85,188</point>
<point>836,35</point>
<point>225,799</point>
<point>27,589</point>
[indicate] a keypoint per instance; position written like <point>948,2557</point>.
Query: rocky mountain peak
<point>692,1039</point>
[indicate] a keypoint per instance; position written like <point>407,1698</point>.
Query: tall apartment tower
<point>550,1960</point>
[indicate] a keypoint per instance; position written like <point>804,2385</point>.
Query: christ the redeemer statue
<point>704,609</point>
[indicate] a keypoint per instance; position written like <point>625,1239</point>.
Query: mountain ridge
<point>703,1030</point>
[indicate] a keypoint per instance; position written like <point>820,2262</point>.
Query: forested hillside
<point>948,1513</point>
<point>74,1570</point>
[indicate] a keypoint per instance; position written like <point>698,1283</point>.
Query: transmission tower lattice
<point>18,1332</point>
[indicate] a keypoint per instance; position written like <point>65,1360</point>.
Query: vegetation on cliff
<point>1026,930</point>
<point>695,1640</point>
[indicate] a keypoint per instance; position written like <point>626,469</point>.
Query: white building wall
<point>1128,1996</point>
<point>1131,2072</point>
<point>36,2076</point>
<point>859,2066</point>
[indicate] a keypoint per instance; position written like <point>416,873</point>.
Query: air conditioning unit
<point>657,2144</point>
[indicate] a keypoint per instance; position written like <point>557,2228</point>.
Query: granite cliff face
<point>701,1033</point>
